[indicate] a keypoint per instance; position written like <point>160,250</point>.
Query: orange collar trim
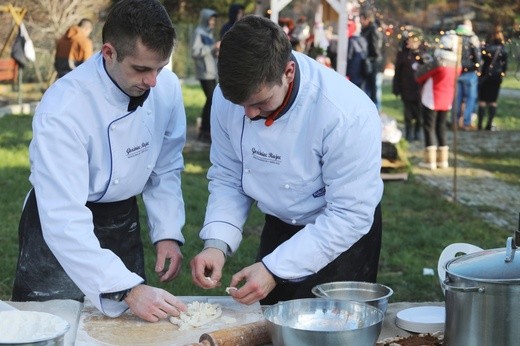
<point>274,115</point>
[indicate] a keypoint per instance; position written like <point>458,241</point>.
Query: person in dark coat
<point>236,11</point>
<point>374,39</point>
<point>405,85</point>
<point>356,54</point>
<point>494,56</point>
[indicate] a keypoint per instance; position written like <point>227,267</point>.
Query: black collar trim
<point>135,101</point>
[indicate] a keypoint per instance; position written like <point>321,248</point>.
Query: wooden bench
<point>8,70</point>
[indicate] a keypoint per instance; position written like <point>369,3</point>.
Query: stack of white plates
<point>421,319</point>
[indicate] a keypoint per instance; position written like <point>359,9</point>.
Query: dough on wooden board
<point>198,314</point>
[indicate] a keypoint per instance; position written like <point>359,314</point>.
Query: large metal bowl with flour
<point>32,328</point>
<point>324,322</point>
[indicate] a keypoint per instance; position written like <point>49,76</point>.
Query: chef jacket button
<point>149,166</point>
<point>248,170</point>
<point>116,181</point>
<point>113,127</point>
<point>287,186</point>
<point>149,112</point>
<point>293,221</point>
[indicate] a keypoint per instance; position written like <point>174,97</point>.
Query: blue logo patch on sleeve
<point>319,193</point>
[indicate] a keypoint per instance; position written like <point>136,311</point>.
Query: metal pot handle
<point>448,287</point>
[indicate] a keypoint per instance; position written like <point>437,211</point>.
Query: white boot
<point>442,157</point>
<point>430,158</point>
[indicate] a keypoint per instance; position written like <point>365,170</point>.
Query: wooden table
<point>73,312</point>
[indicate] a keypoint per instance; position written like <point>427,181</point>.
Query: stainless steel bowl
<point>365,292</point>
<point>323,322</point>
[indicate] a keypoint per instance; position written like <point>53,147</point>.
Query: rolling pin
<point>251,334</point>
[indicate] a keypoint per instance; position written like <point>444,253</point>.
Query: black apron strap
<point>40,277</point>
<point>359,263</point>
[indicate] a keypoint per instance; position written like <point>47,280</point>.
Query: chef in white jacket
<point>303,143</point>
<point>108,131</point>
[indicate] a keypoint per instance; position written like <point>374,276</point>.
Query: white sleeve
<point>228,205</point>
<point>162,193</point>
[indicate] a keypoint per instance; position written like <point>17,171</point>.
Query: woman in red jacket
<point>437,77</point>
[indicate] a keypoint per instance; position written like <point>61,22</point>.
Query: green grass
<point>418,222</point>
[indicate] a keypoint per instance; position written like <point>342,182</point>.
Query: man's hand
<point>169,260</point>
<point>259,283</point>
<point>206,268</point>
<point>153,304</point>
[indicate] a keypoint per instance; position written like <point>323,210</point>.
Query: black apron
<point>40,277</point>
<point>359,263</point>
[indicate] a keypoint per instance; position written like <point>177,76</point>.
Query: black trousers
<point>40,277</point>
<point>208,86</point>
<point>412,119</point>
<point>359,263</point>
<point>434,125</point>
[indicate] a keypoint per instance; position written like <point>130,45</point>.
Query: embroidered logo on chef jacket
<point>266,157</point>
<point>137,150</point>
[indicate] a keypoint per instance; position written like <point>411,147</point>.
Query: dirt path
<point>496,201</point>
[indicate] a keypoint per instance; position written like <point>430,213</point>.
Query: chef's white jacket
<point>318,165</point>
<point>86,146</point>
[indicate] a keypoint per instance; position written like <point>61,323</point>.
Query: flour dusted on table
<point>30,326</point>
<point>198,314</point>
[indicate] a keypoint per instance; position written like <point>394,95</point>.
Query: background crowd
<point>455,69</point>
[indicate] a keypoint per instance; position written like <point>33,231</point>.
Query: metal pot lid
<point>488,265</point>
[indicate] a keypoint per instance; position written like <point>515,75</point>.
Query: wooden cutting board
<point>94,328</point>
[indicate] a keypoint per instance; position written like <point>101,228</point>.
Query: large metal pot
<point>483,297</point>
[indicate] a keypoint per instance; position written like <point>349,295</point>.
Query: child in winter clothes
<point>437,77</point>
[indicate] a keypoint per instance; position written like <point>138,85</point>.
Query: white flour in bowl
<point>30,326</point>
